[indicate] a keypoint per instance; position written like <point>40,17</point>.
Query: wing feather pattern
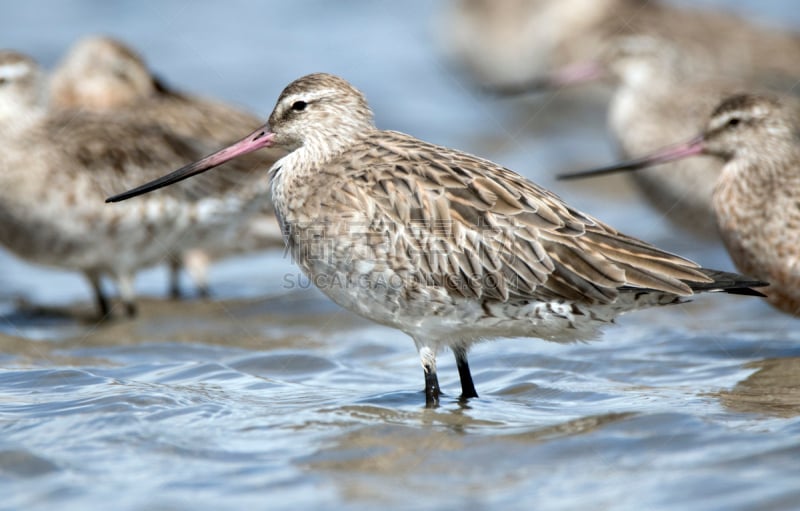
<point>486,232</point>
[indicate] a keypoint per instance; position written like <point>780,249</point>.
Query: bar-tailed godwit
<point>660,99</point>
<point>57,168</point>
<point>447,247</point>
<point>102,74</point>
<point>755,199</point>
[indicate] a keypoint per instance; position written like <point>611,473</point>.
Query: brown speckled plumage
<point>445,246</point>
<point>757,197</point>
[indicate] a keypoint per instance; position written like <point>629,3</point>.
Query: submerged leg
<point>175,266</point>
<point>100,299</point>
<point>428,359</point>
<point>467,386</point>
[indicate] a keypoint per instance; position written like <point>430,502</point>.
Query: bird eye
<point>733,122</point>
<point>299,106</point>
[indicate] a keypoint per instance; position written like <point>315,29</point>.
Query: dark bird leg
<point>467,386</point>
<point>428,358</point>
<point>175,265</point>
<point>100,299</point>
<point>431,388</point>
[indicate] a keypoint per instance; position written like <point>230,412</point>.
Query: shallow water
<point>271,397</point>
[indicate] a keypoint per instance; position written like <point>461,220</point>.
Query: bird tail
<point>727,282</point>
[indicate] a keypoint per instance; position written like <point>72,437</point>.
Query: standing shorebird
<point>756,196</point>
<point>513,43</point>
<point>659,99</point>
<point>101,74</point>
<point>57,168</point>
<point>447,247</point>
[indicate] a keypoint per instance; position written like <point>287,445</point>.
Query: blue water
<point>271,397</point>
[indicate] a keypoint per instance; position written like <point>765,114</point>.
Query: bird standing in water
<point>449,248</point>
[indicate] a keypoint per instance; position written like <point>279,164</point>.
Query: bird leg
<point>175,265</point>
<point>428,358</point>
<point>100,299</point>
<point>127,293</point>
<point>467,386</point>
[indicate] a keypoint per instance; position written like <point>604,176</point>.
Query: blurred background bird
<point>518,41</point>
<point>102,74</point>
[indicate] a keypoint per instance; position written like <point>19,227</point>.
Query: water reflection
<point>773,389</point>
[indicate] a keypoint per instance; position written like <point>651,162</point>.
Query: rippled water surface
<point>271,397</point>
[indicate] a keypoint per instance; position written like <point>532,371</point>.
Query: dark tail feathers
<point>727,282</point>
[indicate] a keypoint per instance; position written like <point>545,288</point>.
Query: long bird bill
<point>567,76</point>
<point>693,147</point>
<point>258,139</point>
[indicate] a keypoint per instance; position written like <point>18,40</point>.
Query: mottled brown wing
<point>485,231</point>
